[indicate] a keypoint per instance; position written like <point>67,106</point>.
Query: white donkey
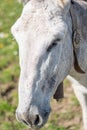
<point>52,39</point>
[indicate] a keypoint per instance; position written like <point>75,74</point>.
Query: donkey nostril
<point>37,120</point>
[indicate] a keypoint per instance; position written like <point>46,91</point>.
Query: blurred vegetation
<point>9,68</point>
<point>62,114</point>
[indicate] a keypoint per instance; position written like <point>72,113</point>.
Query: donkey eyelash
<point>54,43</point>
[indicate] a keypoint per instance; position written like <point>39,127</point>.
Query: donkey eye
<point>54,43</point>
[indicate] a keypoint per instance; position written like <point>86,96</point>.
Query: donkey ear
<point>59,92</point>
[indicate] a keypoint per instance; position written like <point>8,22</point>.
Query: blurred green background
<point>65,115</point>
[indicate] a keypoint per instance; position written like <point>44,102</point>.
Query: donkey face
<point>45,52</point>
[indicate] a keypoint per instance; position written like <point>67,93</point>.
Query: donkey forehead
<point>39,21</point>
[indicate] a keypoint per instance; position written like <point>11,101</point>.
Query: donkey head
<point>43,33</point>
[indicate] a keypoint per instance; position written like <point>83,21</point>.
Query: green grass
<point>10,10</point>
<point>74,101</point>
<point>52,126</point>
